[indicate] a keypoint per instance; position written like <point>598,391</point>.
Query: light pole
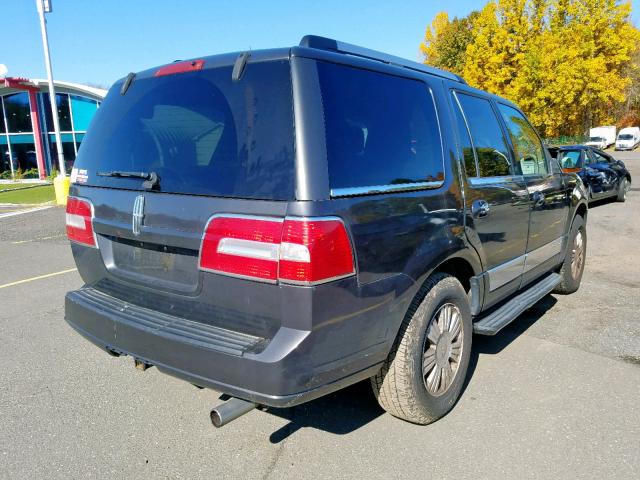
<point>44,6</point>
<point>3,72</point>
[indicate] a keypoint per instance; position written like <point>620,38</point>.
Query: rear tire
<point>573,264</point>
<point>622,190</point>
<point>424,373</point>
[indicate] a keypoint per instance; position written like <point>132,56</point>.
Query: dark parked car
<point>602,175</point>
<point>279,224</point>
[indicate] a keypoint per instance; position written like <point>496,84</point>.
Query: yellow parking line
<point>37,239</point>
<point>39,277</point>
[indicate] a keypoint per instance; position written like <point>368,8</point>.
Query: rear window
<point>381,130</point>
<point>201,132</point>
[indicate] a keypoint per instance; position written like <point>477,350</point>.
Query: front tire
<point>573,264</point>
<point>424,373</point>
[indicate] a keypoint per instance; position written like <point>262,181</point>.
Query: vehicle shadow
<point>339,413</point>
<point>601,202</point>
<point>353,407</point>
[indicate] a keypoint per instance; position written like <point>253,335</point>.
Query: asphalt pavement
<point>555,395</point>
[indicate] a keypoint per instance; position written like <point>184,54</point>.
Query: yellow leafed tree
<point>567,63</point>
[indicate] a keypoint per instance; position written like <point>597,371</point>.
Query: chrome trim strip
<point>137,216</point>
<point>493,180</point>
<point>541,254</point>
<point>505,272</point>
<point>317,282</point>
<point>377,189</point>
<point>237,275</point>
<point>508,271</point>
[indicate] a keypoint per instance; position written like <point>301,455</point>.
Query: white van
<point>628,138</point>
<point>602,137</point>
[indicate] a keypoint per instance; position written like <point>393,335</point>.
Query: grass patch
<point>42,194</point>
<point>11,186</point>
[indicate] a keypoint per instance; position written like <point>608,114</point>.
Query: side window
<point>465,142</point>
<point>488,142</point>
<point>380,129</point>
<point>530,158</point>
<point>571,158</point>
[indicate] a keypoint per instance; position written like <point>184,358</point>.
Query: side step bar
<point>507,313</point>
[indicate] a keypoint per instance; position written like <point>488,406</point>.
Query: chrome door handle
<point>480,208</point>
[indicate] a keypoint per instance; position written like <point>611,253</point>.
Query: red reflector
<point>180,67</point>
<point>79,221</point>
<point>301,251</point>
<point>315,251</point>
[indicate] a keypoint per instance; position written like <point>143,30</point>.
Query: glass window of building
<point>5,166</point>
<point>68,150</point>
<point>23,152</point>
<point>82,109</point>
<point>64,112</point>
<point>18,113</point>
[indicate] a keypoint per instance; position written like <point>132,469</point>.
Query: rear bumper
<point>282,371</point>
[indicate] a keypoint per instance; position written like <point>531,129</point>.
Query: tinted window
<point>570,158</point>
<point>489,144</point>
<point>530,157</point>
<point>380,129</point>
<point>200,132</point>
<point>465,142</point>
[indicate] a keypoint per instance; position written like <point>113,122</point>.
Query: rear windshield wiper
<point>151,179</point>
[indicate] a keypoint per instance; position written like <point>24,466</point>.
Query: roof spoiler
<point>323,43</point>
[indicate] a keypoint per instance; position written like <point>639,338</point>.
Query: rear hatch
<point>169,149</point>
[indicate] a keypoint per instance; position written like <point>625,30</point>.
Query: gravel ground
<point>555,395</point>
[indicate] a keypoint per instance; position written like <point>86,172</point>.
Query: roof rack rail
<point>323,43</point>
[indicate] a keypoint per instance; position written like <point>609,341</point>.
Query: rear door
<point>549,198</point>
<point>218,146</point>
<point>496,197</point>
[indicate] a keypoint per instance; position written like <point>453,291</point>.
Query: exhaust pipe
<point>229,411</point>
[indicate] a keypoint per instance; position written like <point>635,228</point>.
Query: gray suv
<point>278,224</point>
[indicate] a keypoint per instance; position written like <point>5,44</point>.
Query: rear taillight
<point>79,220</point>
<point>303,251</point>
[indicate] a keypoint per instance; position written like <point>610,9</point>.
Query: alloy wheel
<point>443,349</point>
<point>577,254</point>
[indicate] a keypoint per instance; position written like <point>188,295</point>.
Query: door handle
<point>480,208</point>
<point>538,199</point>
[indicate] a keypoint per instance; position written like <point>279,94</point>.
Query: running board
<point>507,313</point>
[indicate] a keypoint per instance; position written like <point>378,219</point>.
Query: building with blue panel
<point>27,141</point>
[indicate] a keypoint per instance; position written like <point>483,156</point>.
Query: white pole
<point>52,92</point>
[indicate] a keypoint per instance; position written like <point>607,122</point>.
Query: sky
<point>97,42</point>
